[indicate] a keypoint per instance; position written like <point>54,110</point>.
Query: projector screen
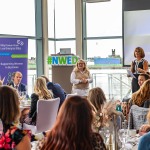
<point>136,34</point>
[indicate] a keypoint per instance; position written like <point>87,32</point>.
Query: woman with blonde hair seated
<point>142,95</point>
<point>72,130</point>
<point>40,92</point>
<point>12,137</point>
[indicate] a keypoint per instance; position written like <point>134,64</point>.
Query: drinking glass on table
<point>105,133</point>
<point>23,95</point>
<point>123,134</point>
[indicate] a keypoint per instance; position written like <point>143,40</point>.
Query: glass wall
<point>65,18</point>
<point>104,18</point>
<point>17,17</point>
<point>104,28</point>
<point>103,47</point>
<point>61,25</point>
<point>51,21</point>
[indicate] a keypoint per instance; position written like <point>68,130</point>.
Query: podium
<point>62,66</point>
<point>61,75</point>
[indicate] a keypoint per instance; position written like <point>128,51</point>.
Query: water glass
<point>123,134</point>
<point>1,128</point>
<point>105,133</point>
<point>23,94</point>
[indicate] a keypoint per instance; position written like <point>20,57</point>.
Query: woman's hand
<point>140,70</point>
<point>144,129</point>
<point>84,80</point>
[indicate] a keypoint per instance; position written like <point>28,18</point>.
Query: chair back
<point>70,95</point>
<point>137,117</point>
<point>46,114</point>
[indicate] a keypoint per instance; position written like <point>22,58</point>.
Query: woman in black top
<point>139,65</point>
<point>40,92</point>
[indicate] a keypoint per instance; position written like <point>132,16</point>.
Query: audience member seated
<point>72,130</point>
<point>102,110</point>
<point>57,90</point>
<point>142,95</point>
<point>40,92</point>
<point>12,136</point>
<point>16,82</point>
<point>142,78</point>
<point>145,127</point>
<point>97,98</point>
<point>144,143</point>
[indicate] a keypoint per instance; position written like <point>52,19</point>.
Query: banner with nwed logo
<point>13,57</point>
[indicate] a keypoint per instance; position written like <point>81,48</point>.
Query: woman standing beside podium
<point>139,65</point>
<point>80,78</point>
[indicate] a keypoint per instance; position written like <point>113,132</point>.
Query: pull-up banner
<point>13,57</point>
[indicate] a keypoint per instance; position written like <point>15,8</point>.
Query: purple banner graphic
<point>13,57</point>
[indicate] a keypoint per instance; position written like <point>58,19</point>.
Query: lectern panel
<point>61,75</point>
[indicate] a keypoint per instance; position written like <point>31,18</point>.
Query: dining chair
<point>70,95</point>
<point>46,115</point>
<point>137,117</point>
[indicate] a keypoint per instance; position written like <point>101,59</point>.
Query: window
<point>103,48</point>
<point>17,17</point>
<point>103,33</point>
<point>65,18</point>
<point>65,44</point>
<point>104,18</point>
<point>50,6</point>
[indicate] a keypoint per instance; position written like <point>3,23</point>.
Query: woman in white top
<point>80,78</point>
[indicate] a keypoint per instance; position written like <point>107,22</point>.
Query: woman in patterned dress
<point>12,137</point>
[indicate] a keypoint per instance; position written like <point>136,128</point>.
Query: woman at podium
<point>80,78</point>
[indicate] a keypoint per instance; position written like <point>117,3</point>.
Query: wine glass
<point>23,95</point>
<point>122,133</point>
<point>106,134</point>
<point>1,128</point>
